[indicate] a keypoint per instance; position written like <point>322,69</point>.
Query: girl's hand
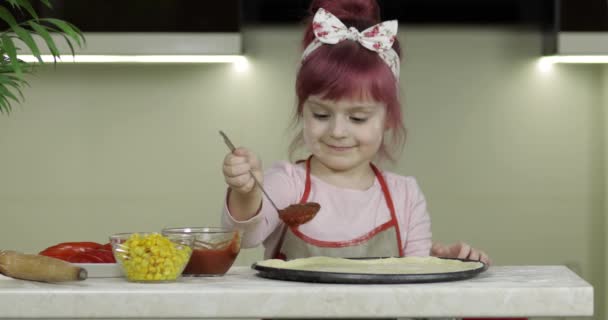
<point>236,169</point>
<point>459,250</point>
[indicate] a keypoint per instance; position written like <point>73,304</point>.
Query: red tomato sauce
<point>213,261</point>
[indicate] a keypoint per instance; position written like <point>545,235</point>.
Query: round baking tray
<point>365,278</point>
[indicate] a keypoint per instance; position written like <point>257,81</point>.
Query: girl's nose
<point>338,128</point>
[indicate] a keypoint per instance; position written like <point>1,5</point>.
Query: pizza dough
<point>407,265</point>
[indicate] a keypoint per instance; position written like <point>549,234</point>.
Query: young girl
<point>348,107</point>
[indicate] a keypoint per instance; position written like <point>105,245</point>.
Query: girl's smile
<point>340,148</point>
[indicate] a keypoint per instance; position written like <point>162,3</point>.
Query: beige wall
<point>605,249</point>
<point>510,159</point>
<point>605,158</point>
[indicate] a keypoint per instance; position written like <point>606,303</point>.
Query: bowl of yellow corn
<point>151,256</point>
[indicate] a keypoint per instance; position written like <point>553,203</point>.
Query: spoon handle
<point>231,147</point>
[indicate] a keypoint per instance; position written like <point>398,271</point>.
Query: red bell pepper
<point>67,249</point>
<point>85,257</point>
<point>105,255</point>
<point>107,246</point>
<point>93,256</point>
<point>81,252</point>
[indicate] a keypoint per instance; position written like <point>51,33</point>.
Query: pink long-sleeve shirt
<point>345,213</point>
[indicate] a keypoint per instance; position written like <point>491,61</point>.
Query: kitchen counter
<point>501,291</point>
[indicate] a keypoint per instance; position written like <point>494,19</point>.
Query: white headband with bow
<point>328,29</point>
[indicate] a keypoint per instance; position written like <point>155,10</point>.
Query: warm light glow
<point>545,66</point>
<point>574,59</point>
<point>239,61</point>
<point>241,65</point>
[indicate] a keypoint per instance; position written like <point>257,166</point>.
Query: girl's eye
<point>358,119</point>
<point>320,116</point>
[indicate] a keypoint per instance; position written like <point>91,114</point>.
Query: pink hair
<point>348,70</point>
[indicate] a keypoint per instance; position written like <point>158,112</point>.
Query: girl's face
<point>344,134</point>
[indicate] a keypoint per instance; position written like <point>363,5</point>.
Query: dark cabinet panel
<point>583,15</point>
<point>474,12</point>
<point>147,15</point>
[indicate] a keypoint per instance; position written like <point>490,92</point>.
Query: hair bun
<point>366,10</point>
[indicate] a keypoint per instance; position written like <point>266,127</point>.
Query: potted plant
<point>23,32</point>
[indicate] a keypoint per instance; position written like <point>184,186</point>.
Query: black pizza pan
<point>365,278</point>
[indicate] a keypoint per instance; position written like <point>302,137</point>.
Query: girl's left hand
<point>459,250</point>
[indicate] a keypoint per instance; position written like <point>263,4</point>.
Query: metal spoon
<point>295,214</point>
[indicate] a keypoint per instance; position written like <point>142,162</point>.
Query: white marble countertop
<point>499,292</point>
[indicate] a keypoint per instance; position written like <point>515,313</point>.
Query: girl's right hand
<point>236,169</point>
<point>459,250</point>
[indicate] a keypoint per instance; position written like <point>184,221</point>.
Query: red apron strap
<point>306,183</point>
<point>391,206</point>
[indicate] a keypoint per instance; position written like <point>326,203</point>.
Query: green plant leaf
<point>46,3</point>
<point>6,92</point>
<point>69,29</point>
<point>7,16</point>
<point>28,7</point>
<point>11,51</point>
<point>6,83</point>
<point>4,106</point>
<point>67,40</point>
<point>11,68</point>
<point>8,78</point>
<point>14,82</point>
<point>6,103</point>
<point>24,4</point>
<point>12,78</point>
<point>79,32</point>
<point>7,68</point>
<point>41,30</point>
<point>25,36</point>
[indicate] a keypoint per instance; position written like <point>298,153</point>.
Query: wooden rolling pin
<point>38,268</point>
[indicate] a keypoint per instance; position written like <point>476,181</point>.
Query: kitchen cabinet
<point>501,291</point>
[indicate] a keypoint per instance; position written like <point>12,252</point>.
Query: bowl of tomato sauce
<point>214,249</point>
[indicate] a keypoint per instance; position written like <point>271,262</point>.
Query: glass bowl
<point>214,250</point>
<point>151,256</point>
